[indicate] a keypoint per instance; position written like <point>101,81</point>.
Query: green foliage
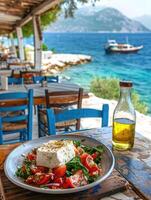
<point>46,19</point>
<point>50,17</point>
<point>53,50</point>
<point>109,89</point>
<point>139,105</point>
<point>44,47</point>
<point>105,88</point>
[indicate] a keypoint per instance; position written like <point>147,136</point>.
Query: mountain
<point>145,20</point>
<point>104,20</point>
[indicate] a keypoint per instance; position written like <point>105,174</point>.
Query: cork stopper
<point>126,84</point>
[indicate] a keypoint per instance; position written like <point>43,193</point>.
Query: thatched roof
<point>18,12</point>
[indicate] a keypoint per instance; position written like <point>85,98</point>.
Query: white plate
<point>15,159</point>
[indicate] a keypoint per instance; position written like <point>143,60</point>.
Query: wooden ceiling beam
<point>10,10</point>
<point>43,7</point>
<point>6,24</point>
<point>24,9</point>
<point>3,27</point>
<point>12,13</point>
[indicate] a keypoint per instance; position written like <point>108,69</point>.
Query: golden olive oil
<point>123,134</point>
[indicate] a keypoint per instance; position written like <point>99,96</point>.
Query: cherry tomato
<point>30,179</point>
<point>42,178</point>
<point>60,171</point>
<point>31,156</point>
<point>36,169</point>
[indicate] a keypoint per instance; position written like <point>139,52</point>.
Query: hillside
<point>105,20</point>
<point>145,20</point>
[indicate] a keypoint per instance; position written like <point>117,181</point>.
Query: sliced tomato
<point>42,178</point>
<point>87,160</point>
<point>37,169</point>
<point>30,179</point>
<point>76,180</point>
<point>65,185</point>
<point>31,156</point>
<point>60,171</point>
<point>94,170</point>
<point>83,157</point>
<point>58,180</point>
<point>95,155</point>
<point>68,183</point>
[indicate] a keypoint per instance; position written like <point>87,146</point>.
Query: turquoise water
<point>135,67</point>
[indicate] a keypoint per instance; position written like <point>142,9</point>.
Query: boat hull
<point>131,50</point>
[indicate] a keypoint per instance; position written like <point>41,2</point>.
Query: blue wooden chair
<point>76,114</point>
<point>16,115</point>
<point>52,79</point>
<point>65,99</point>
<point>38,79</point>
<point>15,81</point>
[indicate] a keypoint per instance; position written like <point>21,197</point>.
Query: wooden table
<point>132,177</point>
<point>39,92</point>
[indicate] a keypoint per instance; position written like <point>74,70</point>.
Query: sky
<point>131,8</point>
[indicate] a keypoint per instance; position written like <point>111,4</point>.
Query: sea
<point>135,67</point>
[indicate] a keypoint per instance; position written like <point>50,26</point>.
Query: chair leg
<point>38,118</point>
<point>21,136</point>
<point>35,110</point>
<point>1,137</point>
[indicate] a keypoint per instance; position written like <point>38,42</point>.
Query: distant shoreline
<point>99,32</point>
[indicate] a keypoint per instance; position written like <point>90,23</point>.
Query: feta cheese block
<point>55,153</point>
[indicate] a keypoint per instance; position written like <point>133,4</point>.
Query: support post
<point>12,48</point>
<point>20,43</point>
<point>37,42</point>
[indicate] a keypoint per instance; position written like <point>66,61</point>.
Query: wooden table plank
<point>39,92</point>
<point>52,87</point>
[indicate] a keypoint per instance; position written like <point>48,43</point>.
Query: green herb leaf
<point>92,150</point>
<point>74,165</point>
<point>77,143</point>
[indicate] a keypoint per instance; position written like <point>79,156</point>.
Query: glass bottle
<point>124,119</point>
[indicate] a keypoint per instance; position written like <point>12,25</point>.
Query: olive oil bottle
<point>124,119</point>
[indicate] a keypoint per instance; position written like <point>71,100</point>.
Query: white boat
<point>113,47</point>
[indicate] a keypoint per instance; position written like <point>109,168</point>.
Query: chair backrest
<point>64,99</point>
<point>15,81</point>
<point>52,79</point>
<point>28,76</point>
<point>38,79</point>
<point>21,105</point>
<point>76,114</point>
